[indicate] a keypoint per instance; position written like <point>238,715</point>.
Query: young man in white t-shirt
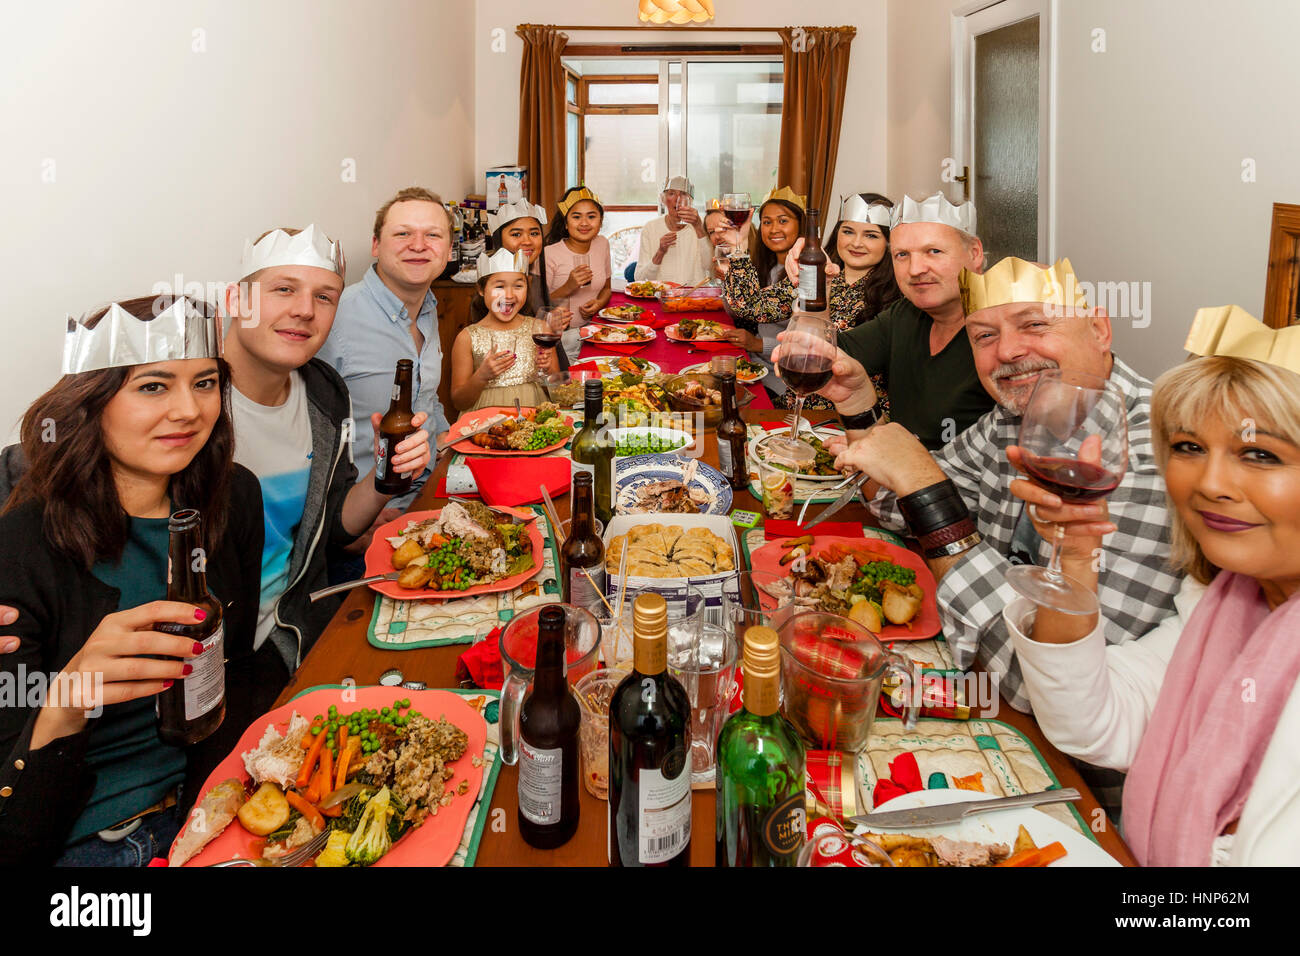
<point>293,429</point>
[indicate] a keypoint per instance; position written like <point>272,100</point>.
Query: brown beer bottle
<point>548,742</point>
<point>812,266</point>
<point>193,707</point>
<point>583,550</point>
<point>393,427</point>
<point>731,436</point>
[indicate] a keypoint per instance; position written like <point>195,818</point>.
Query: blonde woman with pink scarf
<point>1204,710</point>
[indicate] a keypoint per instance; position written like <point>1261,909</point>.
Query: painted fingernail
<point>198,649</point>
<point>200,614</point>
<point>187,670</point>
<point>167,683</point>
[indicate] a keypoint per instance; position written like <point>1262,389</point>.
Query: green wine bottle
<point>593,451</point>
<point>760,777</point>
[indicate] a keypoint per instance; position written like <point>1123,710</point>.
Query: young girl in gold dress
<point>494,361</point>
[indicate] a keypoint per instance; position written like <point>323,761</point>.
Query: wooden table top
<point>343,650</point>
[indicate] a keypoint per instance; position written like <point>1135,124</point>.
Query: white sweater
<point>1093,701</point>
<point>688,260</point>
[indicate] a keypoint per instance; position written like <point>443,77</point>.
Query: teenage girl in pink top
<point>584,288</point>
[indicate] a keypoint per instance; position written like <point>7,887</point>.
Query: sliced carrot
<point>311,795</point>
<point>342,739</point>
<point>306,809</point>
<point>309,762</point>
<point>327,773</point>
<point>341,775</point>
<point>436,540</point>
<point>1040,857</point>
<point>334,811</point>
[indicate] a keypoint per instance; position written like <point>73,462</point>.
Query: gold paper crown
<point>1016,280</point>
<point>575,198</point>
<point>1229,330</point>
<point>788,195</point>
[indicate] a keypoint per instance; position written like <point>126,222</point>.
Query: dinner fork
<point>296,857</point>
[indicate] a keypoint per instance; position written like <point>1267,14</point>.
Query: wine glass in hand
<point>736,207</point>
<point>1074,443</point>
<point>548,327</point>
<point>807,353</point>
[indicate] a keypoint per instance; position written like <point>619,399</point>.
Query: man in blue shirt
<point>392,314</point>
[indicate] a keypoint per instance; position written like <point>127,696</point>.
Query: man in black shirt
<point>919,343</point>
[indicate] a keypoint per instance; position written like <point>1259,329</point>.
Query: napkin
<point>482,663</point>
<point>785,528</point>
<point>717,347</point>
<point>505,482</point>
<point>904,777</point>
<point>440,489</point>
<point>623,348</point>
<point>585,367</point>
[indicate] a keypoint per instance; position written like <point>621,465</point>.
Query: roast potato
<point>415,575</point>
<point>265,811</point>
<point>410,551</point>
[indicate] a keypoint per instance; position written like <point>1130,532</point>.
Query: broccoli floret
<point>370,840</point>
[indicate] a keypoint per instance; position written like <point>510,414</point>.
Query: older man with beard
<point>1021,319</point>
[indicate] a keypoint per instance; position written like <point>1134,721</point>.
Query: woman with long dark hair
<point>137,428</point>
<point>575,236</point>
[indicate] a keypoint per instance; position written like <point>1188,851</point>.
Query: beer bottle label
<point>206,685</point>
<point>541,774</point>
<point>807,282</point>
<point>397,391</point>
<point>381,459</point>
<point>783,827</point>
<point>664,804</point>
<point>725,460</point>
<point>582,592</point>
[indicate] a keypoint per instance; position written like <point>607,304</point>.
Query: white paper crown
<point>856,209</point>
<point>516,210</point>
<point>310,247</point>
<point>180,331</point>
<point>503,260</point>
<point>935,208</point>
<point>681,184</point>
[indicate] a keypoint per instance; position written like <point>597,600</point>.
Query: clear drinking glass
<point>755,604</point>
<point>807,352</point>
<point>1074,443</point>
<point>736,207</point>
<point>594,693</point>
<point>703,659</point>
<point>580,260</point>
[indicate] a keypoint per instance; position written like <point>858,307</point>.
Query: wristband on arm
<point>864,420</point>
<point>940,520</point>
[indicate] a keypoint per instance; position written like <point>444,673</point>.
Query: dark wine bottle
<point>649,751</point>
<point>812,266</point>
<point>583,555</point>
<point>193,707</point>
<point>548,742</point>
<point>593,451</point>
<point>393,428</point>
<point>732,436</point>
<point>760,776</point>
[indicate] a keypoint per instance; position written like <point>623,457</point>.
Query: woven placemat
<point>989,755</point>
<point>487,703</point>
<point>404,625</point>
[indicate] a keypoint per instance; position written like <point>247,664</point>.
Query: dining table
<point>343,651</point>
<point>669,355</point>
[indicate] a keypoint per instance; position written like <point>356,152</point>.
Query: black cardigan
<point>60,603</point>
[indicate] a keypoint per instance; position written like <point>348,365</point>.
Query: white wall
<point>1151,138</point>
<point>861,161</point>
<point>166,159</point>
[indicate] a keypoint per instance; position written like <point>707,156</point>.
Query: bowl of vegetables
<point>647,441</point>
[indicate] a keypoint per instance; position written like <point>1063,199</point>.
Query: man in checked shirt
<point>1020,325</point>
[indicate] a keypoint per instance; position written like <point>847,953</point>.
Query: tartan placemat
<point>933,654</point>
<point>487,703</point>
<point>404,625</point>
<point>987,755</point>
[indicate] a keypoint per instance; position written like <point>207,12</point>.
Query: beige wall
<point>166,159</point>
<point>1152,135</point>
<point>861,162</point>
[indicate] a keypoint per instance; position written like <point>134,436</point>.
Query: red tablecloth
<point>673,356</point>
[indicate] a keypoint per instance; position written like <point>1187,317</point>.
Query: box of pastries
<point>666,552</point>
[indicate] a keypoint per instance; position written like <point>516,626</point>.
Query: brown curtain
<point>541,113</point>
<point>816,77</point>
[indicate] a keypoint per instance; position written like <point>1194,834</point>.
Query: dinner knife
<point>491,422</point>
<point>849,494</point>
<point>955,812</point>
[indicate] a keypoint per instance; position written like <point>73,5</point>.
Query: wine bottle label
<point>541,774</point>
<point>582,591</point>
<point>807,282</point>
<point>664,804</point>
<point>784,825</point>
<point>206,685</point>
<point>381,459</point>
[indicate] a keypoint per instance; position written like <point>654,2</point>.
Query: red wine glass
<point>807,352</point>
<point>1074,443</point>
